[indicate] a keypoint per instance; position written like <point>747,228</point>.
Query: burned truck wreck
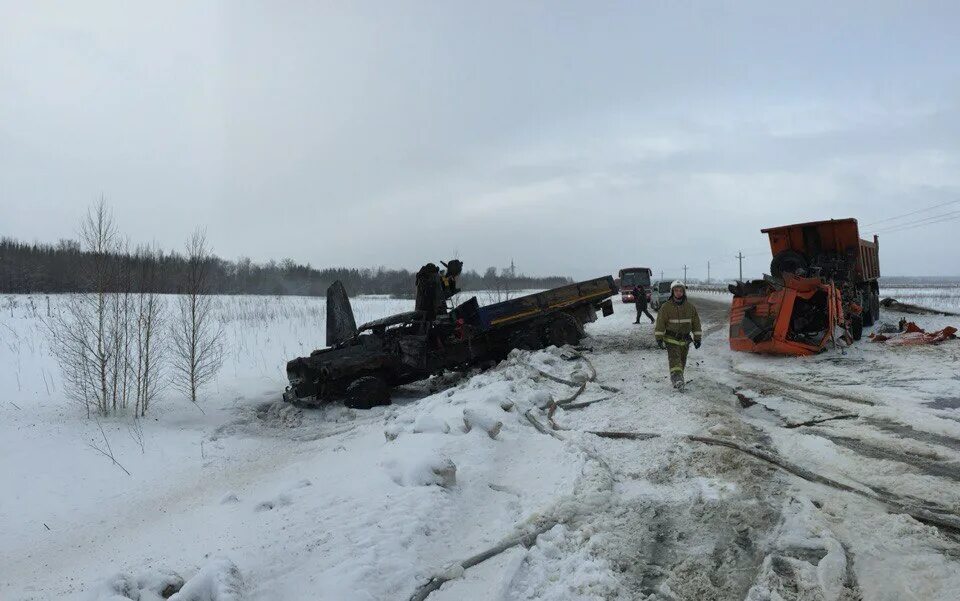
<point>362,364</point>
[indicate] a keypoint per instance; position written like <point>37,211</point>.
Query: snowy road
<point>338,504</point>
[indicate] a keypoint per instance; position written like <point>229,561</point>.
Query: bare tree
<point>149,348</point>
<point>196,335</point>
<point>84,331</point>
<point>106,340</point>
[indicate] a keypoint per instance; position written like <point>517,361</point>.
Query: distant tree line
<point>52,268</point>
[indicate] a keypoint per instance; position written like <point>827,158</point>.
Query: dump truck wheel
<point>367,392</point>
<point>856,327</point>
<point>564,329</point>
<point>787,261</point>
<point>527,339</point>
<point>875,306</point>
<point>866,301</point>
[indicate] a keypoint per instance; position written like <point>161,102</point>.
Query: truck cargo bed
<point>534,305</point>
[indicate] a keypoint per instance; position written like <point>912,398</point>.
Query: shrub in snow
<point>219,580</point>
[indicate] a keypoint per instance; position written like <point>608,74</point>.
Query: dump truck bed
<point>837,236</point>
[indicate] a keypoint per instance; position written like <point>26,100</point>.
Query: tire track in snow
<point>684,540</point>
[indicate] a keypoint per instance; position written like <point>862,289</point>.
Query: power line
<point>916,225</point>
<point>943,204</point>
<point>925,220</point>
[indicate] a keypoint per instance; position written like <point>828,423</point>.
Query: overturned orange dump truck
<point>823,285</point>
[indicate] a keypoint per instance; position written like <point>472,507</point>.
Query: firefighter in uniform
<point>677,321</point>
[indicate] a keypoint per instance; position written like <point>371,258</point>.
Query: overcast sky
<point>573,138</point>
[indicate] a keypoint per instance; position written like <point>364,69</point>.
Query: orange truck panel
<point>797,318</point>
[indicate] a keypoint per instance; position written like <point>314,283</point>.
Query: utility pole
<point>708,272</point>
<point>661,274</point>
<point>684,275</point>
<point>740,256</point>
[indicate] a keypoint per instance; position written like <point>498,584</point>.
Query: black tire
<point>856,327</point>
<point>787,261</point>
<point>563,329</point>
<point>527,339</point>
<point>367,392</point>
<point>866,302</point>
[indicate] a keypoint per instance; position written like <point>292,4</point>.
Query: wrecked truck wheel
<point>787,261</point>
<point>875,306</point>
<point>866,314</point>
<point>856,327</point>
<point>366,393</point>
<point>527,339</point>
<point>564,329</point>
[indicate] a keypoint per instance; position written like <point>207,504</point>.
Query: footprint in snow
<point>279,501</point>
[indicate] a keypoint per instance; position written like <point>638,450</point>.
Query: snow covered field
<point>252,499</point>
<point>943,298</point>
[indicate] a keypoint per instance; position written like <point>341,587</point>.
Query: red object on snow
<point>914,334</point>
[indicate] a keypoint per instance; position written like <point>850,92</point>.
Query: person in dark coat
<point>640,298</point>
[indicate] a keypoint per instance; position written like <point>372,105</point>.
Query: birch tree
<point>196,336</point>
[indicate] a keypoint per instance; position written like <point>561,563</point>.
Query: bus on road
<point>630,278</point>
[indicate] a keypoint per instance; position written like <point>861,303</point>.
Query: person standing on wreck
<point>677,321</point>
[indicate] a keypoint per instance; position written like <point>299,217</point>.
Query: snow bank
<point>219,580</point>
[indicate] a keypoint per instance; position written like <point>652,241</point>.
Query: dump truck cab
<point>792,316</point>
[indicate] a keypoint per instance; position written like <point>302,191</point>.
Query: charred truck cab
<point>361,364</point>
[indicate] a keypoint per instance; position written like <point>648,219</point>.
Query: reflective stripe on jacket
<point>677,322</point>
